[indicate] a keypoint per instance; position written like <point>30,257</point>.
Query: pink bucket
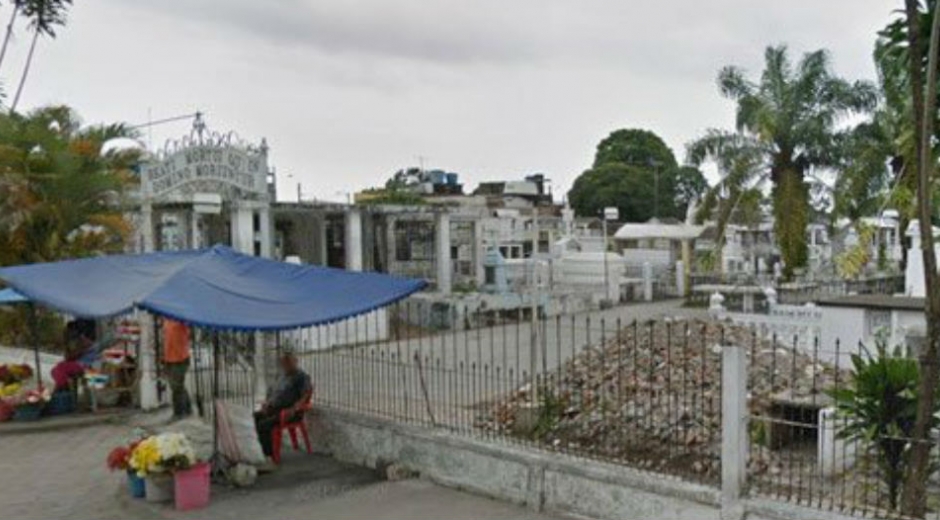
<point>192,487</point>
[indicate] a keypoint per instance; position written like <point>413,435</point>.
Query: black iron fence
<point>644,394</point>
<point>842,442</point>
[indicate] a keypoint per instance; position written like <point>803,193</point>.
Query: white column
<point>647,281</point>
<point>479,252</point>
<point>146,227</point>
<point>243,232</point>
<point>748,302</point>
<point>194,229</point>
<point>680,278</point>
<point>265,235</point>
<point>147,363</point>
<point>734,425</point>
<point>353,242</point>
<point>442,250</point>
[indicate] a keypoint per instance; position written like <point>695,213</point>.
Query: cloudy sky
<point>347,91</point>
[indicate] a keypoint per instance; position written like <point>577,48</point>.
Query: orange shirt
<point>175,341</point>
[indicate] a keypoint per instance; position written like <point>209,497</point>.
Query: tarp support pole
<point>34,338</point>
<point>200,406</point>
<point>215,395</point>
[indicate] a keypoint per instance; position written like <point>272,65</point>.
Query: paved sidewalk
<point>62,474</point>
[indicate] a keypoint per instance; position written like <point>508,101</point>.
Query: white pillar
<point>734,425</point>
<point>748,302</point>
<point>647,281</point>
<point>194,242</point>
<point>479,252</point>
<point>833,455</point>
<point>353,242</point>
<point>147,363</point>
<point>442,245</point>
<point>264,234</point>
<point>243,239</point>
<point>146,227</point>
<point>680,278</point>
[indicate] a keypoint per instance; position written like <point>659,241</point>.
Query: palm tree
<point>789,120</point>
<point>44,16</point>
<point>17,5</point>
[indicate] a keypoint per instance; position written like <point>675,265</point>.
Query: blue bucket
<point>135,484</point>
<point>27,412</point>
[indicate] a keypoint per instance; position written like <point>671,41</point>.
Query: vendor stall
<point>217,291</point>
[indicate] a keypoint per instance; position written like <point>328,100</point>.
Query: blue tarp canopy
<point>216,288</point>
<point>10,296</point>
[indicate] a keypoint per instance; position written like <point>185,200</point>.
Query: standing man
<point>176,361</point>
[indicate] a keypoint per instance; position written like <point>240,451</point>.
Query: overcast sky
<point>347,91</point>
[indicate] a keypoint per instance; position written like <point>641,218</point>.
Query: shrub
<point>880,406</point>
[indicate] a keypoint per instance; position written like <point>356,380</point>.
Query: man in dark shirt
<point>290,392</point>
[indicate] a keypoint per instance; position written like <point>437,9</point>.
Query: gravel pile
<point>652,395</point>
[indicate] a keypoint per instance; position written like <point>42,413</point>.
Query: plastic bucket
<point>159,488</point>
<point>135,485</point>
<point>192,487</point>
<point>28,412</point>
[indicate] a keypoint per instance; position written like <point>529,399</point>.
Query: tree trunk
<point>9,33</point>
<point>924,97</point>
<point>791,216</point>
<point>29,62</point>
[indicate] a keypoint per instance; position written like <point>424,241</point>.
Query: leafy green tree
<point>788,120</point>
<point>44,16</point>
<point>636,172</point>
<point>879,405</point>
<point>61,194</point>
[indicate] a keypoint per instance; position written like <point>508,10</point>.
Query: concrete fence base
<point>539,480</point>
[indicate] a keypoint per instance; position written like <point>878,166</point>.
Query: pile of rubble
<point>652,395</point>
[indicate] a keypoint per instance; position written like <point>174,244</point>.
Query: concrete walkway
<point>62,474</point>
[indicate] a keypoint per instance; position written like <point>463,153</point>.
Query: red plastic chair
<point>292,428</point>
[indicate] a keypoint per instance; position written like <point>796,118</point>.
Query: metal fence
<point>803,450</point>
<point>644,394</point>
<point>235,378</point>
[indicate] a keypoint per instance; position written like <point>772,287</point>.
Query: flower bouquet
<point>155,460</point>
<point>119,459</point>
<point>11,384</point>
<point>10,374</point>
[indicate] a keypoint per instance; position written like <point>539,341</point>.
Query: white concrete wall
<point>845,324</point>
<point>658,258</point>
<point>367,328</point>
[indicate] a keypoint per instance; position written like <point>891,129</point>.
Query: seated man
<point>290,392</point>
